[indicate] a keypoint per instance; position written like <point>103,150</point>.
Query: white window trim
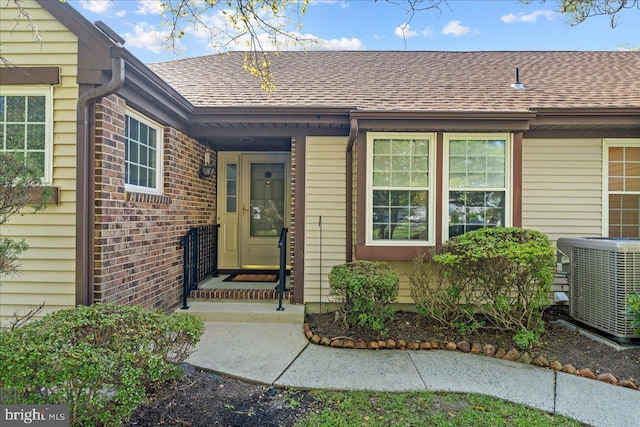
<point>431,136</point>
<point>159,184</point>
<point>508,205</point>
<point>47,92</point>
<point>606,144</point>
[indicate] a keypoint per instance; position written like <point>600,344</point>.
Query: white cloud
<point>151,7</point>
<point>147,37</point>
<point>455,28</point>
<point>404,31</point>
<point>343,43</point>
<point>96,6</point>
<point>529,18</point>
<point>343,3</point>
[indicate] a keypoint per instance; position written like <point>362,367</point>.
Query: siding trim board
<point>29,75</point>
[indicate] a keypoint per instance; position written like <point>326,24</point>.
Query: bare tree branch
<point>579,11</point>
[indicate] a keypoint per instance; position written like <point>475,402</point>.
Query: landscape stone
<point>488,349</point>
<point>607,378</point>
<point>540,360</point>
<point>450,346</point>
<point>569,369</point>
<point>476,348</point>
<point>525,358</point>
<point>464,346</point>
<point>325,341</point>
<point>556,365</point>
<point>413,346</point>
<point>425,346</point>
<point>587,373</point>
<point>500,353</point>
<point>512,354</point>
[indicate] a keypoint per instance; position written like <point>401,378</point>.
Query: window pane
<point>36,162</point>
<point>471,210</point>
<point>400,179</point>
<point>477,164</point>
<point>624,215</point>
<point>420,164</point>
<point>36,109</point>
<point>231,171</point>
<point>15,108</point>
<point>401,147</point>
<point>421,147</point>
<point>381,146</point>
<point>400,215</point>
<point>35,137</point>
<point>15,137</point>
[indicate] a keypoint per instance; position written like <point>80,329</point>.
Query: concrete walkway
<point>279,354</point>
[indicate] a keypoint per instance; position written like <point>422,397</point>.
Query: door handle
<point>244,210</point>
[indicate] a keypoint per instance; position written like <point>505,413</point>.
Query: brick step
<point>238,294</point>
<point>235,311</point>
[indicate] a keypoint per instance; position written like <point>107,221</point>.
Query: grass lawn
<point>424,409</point>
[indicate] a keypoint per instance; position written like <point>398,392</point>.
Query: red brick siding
<point>138,258</point>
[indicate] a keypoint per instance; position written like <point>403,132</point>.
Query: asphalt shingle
<point>413,81</point>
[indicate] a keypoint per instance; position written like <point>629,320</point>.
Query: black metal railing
<point>200,257</point>
<point>282,244</point>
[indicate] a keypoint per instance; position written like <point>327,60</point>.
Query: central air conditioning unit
<point>603,272</point>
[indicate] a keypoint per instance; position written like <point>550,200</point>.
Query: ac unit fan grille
<point>600,281</point>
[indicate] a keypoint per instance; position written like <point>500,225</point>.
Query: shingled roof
<point>413,81</point>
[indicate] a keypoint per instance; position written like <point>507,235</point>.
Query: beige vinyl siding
<point>47,271</point>
<point>562,187</point>
<point>325,195</point>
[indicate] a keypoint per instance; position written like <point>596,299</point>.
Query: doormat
<point>252,277</point>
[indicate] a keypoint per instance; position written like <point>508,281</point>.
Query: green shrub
<point>634,309</point>
<point>507,273</point>
<point>100,360</point>
<point>365,291</point>
<point>436,298</point>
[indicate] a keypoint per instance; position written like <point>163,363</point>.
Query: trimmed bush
<point>365,291</point>
<point>507,273</point>
<point>100,360</point>
<point>435,297</point>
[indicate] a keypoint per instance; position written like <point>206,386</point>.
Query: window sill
<point>389,253</point>
<point>36,193</point>
<point>158,199</point>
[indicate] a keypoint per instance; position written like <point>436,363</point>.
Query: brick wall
<point>138,258</point>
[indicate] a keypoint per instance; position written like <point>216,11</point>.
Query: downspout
<point>85,177</point>
<point>353,133</point>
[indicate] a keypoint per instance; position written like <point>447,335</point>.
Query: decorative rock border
<point>466,347</point>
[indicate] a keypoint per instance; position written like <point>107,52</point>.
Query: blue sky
<point>463,25</point>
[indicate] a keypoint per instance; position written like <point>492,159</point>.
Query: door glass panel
<point>232,181</point>
<point>267,199</point>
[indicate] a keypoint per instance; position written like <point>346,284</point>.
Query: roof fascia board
<point>272,116</point>
<point>451,124</point>
<point>283,132</point>
<point>590,120</point>
<point>443,115</point>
